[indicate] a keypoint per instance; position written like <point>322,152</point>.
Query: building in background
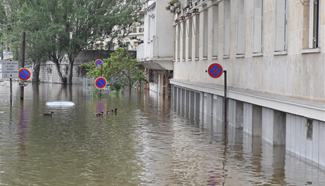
<point>129,38</point>
<point>274,52</point>
<point>156,51</point>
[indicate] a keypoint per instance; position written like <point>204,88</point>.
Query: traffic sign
<point>99,62</point>
<point>9,69</point>
<point>100,82</point>
<point>215,70</point>
<point>24,74</point>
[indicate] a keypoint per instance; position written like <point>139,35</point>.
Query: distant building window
<point>197,35</point>
<point>311,23</point>
<point>281,25</point>
<point>241,27</point>
<point>226,31</point>
<point>183,40</point>
<point>178,41</point>
<point>189,38</point>
<point>258,26</point>
<point>151,76</point>
<point>205,33</point>
<point>215,31</point>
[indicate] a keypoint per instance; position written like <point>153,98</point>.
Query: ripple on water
<point>144,144</point>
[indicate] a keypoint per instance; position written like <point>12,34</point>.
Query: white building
<point>274,53</point>
<point>156,51</point>
<point>130,39</point>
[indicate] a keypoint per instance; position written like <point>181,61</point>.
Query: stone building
<point>156,51</point>
<point>274,53</point>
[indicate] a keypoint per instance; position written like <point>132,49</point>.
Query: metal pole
<point>10,92</point>
<point>101,74</point>
<point>23,45</point>
<point>225,99</point>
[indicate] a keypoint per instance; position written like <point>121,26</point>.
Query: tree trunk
<point>36,71</point>
<point>130,86</point>
<point>58,68</point>
<point>70,74</point>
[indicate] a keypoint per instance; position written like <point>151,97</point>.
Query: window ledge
<point>280,53</point>
<point>225,57</point>
<point>240,55</point>
<point>214,57</point>
<point>258,54</point>
<point>196,59</point>
<point>189,60</point>
<point>205,58</point>
<point>310,50</point>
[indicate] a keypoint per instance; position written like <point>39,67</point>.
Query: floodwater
<point>146,143</point>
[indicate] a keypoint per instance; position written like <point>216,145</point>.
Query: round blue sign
<point>99,62</point>
<point>100,82</point>
<point>24,74</point>
<point>215,70</point>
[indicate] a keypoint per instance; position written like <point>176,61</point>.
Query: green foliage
<point>120,68</point>
<point>60,27</point>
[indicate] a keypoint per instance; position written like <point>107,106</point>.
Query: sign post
<point>215,70</point>
<point>99,64</point>
<point>23,47</point>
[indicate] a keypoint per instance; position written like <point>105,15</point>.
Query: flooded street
<point>146,143</point>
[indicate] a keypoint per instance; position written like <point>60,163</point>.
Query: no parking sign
<point>100,82</point>
<point>24,74</point>
<point>215,70</point>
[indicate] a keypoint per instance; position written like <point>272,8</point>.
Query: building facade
<point>274,53</point>
<point>157,50</point>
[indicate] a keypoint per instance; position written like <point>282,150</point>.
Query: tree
<point>120,68</point>
<point>84,22</point>
<point>68,26</point>
<point>29,17</point>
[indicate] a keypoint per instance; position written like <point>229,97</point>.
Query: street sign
<point>99,62</point>
<point>24,74</point>
<point>9,69</point>
<point>215,70</point>
<point>100,82</point>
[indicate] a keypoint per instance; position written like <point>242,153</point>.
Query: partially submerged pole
<point>22,65</point>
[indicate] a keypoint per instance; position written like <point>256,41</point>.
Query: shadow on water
<point>145,143</point>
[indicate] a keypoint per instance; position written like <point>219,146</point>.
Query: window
<point>241,27</point>
<point>281,25</point>
<point>205,33</point>
<point>197,35</point>
<point>226,30</point>
<point>311,23</point>
<point>215,31</point>
<point>184,40</point>
<point>189,38</point>
<point>178,35</point>
<point>258,26</point>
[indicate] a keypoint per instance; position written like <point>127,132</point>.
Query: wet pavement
<point>146,143</point>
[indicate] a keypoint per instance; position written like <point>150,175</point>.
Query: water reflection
<point>144,144</point>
